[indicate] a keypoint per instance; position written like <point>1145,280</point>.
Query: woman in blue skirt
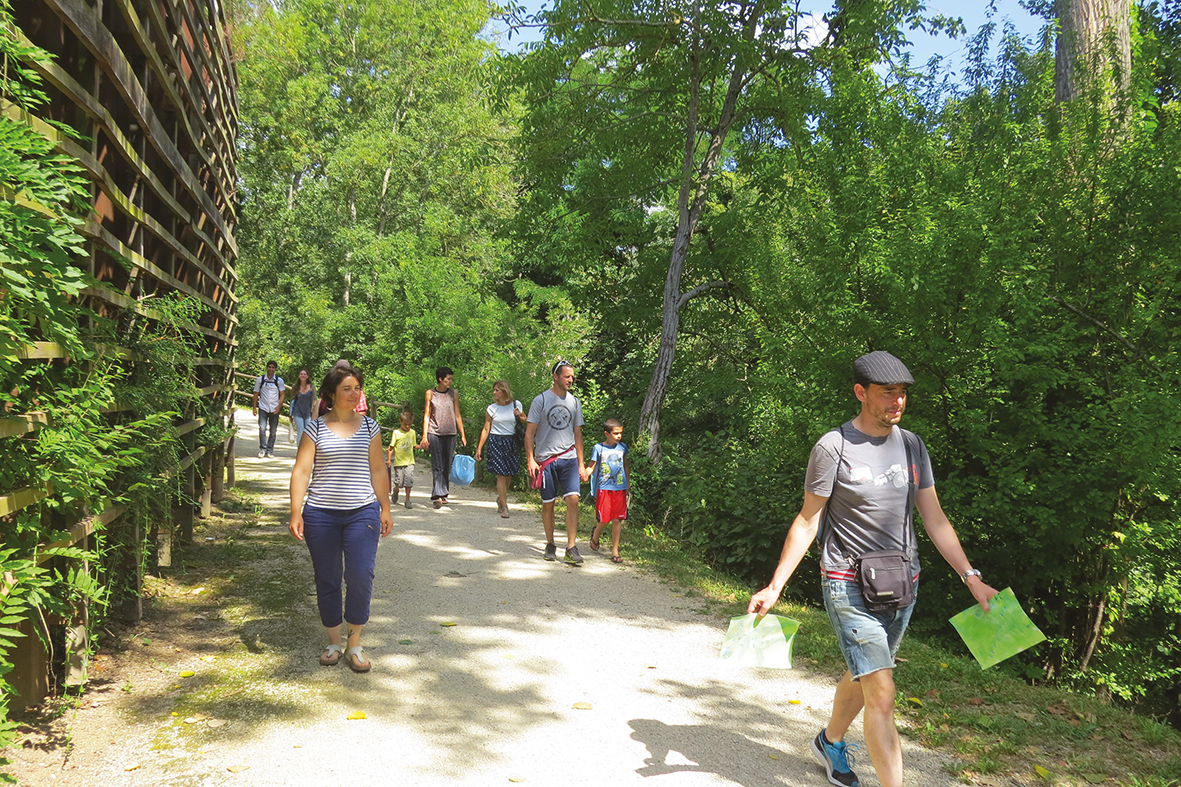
<point>500,427</point>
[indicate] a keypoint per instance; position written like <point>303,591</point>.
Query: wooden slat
<point>116,298</point>
<point>193,457</point>
<point>84,529</point>
<point>23,498</point>
<point>13,425</point>
<point>191,426</point>
<point>38,351</point>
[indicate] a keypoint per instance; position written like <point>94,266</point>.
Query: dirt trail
<point>499,697</point>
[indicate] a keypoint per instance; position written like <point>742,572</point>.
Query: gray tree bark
<point>1094,42</point>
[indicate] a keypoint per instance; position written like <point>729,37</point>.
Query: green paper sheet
<point>996,635</point>
<point>751,642</point>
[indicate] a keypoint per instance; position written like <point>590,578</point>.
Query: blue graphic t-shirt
<point>609,471</point>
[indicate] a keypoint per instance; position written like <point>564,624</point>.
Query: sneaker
<point>572,556</point>
<point>551,552</point>
<point>836,759</point>
<point>262,452</point>
<point>270,454</point>
<point>408,504</point>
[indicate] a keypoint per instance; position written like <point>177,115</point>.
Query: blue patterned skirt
<point>503,456</point>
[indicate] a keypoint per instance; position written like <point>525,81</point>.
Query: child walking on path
<point>608,469</point>
<point>401,452</point>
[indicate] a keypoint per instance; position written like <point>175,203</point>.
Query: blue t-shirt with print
<point>609,471</point>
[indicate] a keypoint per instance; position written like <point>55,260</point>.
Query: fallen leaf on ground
<point>195,591</point>
<point>508,655</point>
<point>238,768</point>
<point>793,702</point>
<point>131,767</point>
<point>213,724</point>
<point>515,779</point>
<point>447,624</point>
<point>208,658</point>
<point>975,701</point>
<point>187,673</point>
<point>1042,772</point>
<point>933,693</point>
<point>581,706</point>
<point>943,664</point>
<point>773,756</point>
<point>915,701</point>
<point>405,642</point>
<point>357,714</point>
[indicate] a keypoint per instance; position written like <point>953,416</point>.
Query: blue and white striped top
<point>340,474</point>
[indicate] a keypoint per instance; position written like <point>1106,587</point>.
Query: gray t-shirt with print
<point>864,478</point>
<point>556,418</point>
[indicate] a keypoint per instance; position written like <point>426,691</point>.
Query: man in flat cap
<point>863,481</point>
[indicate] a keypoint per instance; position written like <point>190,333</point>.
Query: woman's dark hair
<point>295,378</point>
<point>334,378</point>
<point>442,372</point>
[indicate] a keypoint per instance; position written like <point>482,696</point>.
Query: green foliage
<point>376,177</point>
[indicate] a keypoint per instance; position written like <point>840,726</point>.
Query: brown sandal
<point>616,559</point>
<point>331,656</point>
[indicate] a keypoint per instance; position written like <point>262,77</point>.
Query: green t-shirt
<point>403,442</point>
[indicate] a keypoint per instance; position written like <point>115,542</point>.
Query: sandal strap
<point>355,651</point>
<point>333,648</point>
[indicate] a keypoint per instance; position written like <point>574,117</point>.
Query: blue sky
<point>923,46</point>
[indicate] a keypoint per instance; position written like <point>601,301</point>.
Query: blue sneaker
<point>836,759</point>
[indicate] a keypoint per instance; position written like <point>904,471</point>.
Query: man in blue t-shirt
<point>859,482</point>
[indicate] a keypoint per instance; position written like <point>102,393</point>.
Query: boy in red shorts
<point>608,468</point>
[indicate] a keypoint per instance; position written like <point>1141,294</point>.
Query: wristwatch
<point>972,572</point>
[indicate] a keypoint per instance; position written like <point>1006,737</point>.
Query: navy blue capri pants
<point>343,546</point>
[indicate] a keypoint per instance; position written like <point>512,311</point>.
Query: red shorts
<point>611,504</point>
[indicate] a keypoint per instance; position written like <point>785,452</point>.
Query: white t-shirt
<point>504,418</point>
<point>268,389</point>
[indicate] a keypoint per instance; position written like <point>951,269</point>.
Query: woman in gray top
<point>303,404</point>
<point>441,421</point>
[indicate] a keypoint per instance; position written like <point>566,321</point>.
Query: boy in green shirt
<point>401,451</point>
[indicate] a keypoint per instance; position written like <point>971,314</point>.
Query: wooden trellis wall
<point>150,87</point>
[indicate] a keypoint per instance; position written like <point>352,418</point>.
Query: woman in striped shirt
<point>340,467</point>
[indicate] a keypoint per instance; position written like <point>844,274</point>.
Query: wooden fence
<point>150,89</point>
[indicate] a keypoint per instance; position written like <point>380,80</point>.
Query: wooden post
<point>133,606</point>
<point>217,474</point>
<point>205,481</point>
<point>30,668</point>
<point>230,460</point>
<point>77,634</point>
<point>182,512</point>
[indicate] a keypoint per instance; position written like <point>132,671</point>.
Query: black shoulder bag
<point>884,576</point>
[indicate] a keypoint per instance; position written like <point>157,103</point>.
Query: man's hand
<point>981,592</point>
<point>761,602</point>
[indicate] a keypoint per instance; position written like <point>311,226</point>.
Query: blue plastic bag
<point>463,470</point>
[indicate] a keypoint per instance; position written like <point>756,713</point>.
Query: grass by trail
<point>1000,730</point>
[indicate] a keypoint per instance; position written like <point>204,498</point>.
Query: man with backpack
<point>267,403</point>
<point>863,482</point>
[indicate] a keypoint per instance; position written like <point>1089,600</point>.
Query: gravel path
<point>550,675</point>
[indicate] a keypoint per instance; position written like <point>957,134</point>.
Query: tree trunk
<point>1094,39</point>
<point>695,181</point>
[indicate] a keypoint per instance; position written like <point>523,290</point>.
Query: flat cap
<point>882,368</point>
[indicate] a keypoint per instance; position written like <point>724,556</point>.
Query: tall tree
<point>633,103</point>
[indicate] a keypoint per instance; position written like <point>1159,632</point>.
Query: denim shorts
<point>560,475</point>
<point>868,640</point>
